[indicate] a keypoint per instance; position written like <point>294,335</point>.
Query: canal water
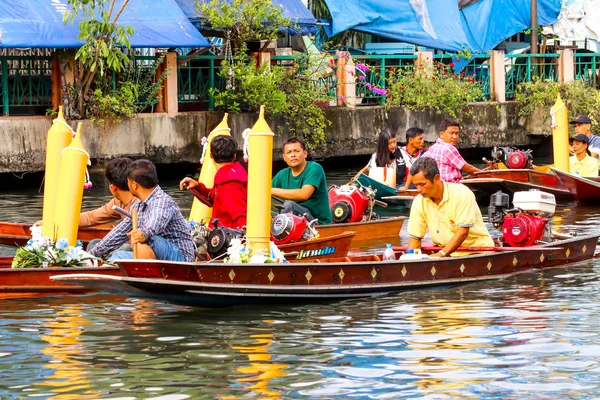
<point>531,336</point>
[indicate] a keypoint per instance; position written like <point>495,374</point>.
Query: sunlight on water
<point>530,336</point>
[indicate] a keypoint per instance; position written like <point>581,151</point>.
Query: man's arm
<point>414,243</point>
<point>454,243</point>
<point>469,169</point>
<point>301,194</point>
<point>101,215</point>
<point>115,238</point>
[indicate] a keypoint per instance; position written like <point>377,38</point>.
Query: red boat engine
<point>512,157</point>
<point>518,159</point>
<point>522,230</point>
<point>348,203</point>
<point>290,228</point>
<point>528,222</point>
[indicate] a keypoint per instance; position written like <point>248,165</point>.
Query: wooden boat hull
<point>402,198</point>
<point>485,183</point>
<point>12,234</point>
<point>37,280</point>
<point>217,285</point>
<point>583,189</point>
<point>331,246</point>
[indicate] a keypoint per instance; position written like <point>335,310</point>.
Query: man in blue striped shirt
<point>162,232</point>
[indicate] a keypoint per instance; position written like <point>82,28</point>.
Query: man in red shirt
<point>228,196</point>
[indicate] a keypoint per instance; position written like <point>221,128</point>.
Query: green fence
<point>525,67</point>
<point>586,68</point>
<point>25,84</point>
<point>196,77</point>
<point>379,67</point>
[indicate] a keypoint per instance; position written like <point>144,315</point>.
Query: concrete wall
<point>171,139</point>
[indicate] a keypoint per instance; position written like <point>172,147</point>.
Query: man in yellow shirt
<point>448,210</point>
<point>582,164</point>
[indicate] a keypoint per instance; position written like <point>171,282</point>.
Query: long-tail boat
<point>12,234</point>
<point>485,183</point>
<point>37,280</point>
<point>222,284</point>
<point>582,189</point>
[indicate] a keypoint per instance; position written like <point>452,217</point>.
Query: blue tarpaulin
<point>441,24</point>
<point>39,23</point>
<point>295,10</point>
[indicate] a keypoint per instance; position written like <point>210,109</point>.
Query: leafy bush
<point>249,87</point>
<point>578,95</point>
<point>287,92</point>
<point>435,87</point>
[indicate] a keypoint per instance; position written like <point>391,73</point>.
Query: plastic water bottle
<point>389,254</point>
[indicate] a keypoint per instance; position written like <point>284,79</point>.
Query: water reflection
<point>261,370</point>
<point>64,347</point>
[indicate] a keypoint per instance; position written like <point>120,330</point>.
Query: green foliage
<point>287,92</point>
<point>249,87</point>
<point>136,89</point>
<point>114,105</point>
<point>43,252</point>
<point>304,118</point>
<point>50,112</point>
<point>433,87</point>
<point>244,20</point>
<point>102,51</point>
<point>579,97</point>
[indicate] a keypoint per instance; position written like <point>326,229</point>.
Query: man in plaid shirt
<point>162,232</point>
<point>444,152</point>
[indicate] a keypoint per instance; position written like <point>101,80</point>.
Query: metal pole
<point>534,28</point>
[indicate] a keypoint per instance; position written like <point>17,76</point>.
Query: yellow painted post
<point>201,212</point>
<point>260,168</point>
<point>560,134</point>
<point>70,189</point>
<point>59,137</point>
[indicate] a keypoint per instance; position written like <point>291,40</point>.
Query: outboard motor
<point>348,203</point>
<point>290,228</point>
<point>499,203</point>
<point>513,158</point>
<point>518,159</point>
<point>219,238</point>
<point>528,222</point>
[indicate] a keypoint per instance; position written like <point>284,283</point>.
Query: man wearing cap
<point>581,163</point>
<point>583,126</point>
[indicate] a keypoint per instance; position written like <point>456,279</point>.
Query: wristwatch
<point>442,253</point>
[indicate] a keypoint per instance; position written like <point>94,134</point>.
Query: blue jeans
<point>296,209</point>
<point>163,249</point>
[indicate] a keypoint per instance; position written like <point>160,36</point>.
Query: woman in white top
<point>382,166</point>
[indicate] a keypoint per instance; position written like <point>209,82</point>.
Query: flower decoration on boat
<point>238,253</point>
<point>41,251</point>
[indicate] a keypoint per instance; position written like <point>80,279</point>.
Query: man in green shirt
<point>302,184</point>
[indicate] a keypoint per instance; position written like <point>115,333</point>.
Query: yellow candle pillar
<point>59,137</point>
<point>260,168</point>
<point>70,189</point>
<point>201,212</point>
<point>560,134</point>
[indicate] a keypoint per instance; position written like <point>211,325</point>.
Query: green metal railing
<point>478,68</point>
<point>197,77</point>
<point>375,77</point>
<point>586,68</point>
<point>26,81</point>
<point>525,67</point>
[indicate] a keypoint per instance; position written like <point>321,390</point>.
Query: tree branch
<point>114,21</point>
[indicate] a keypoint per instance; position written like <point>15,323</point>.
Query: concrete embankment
<point>164,138</point>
